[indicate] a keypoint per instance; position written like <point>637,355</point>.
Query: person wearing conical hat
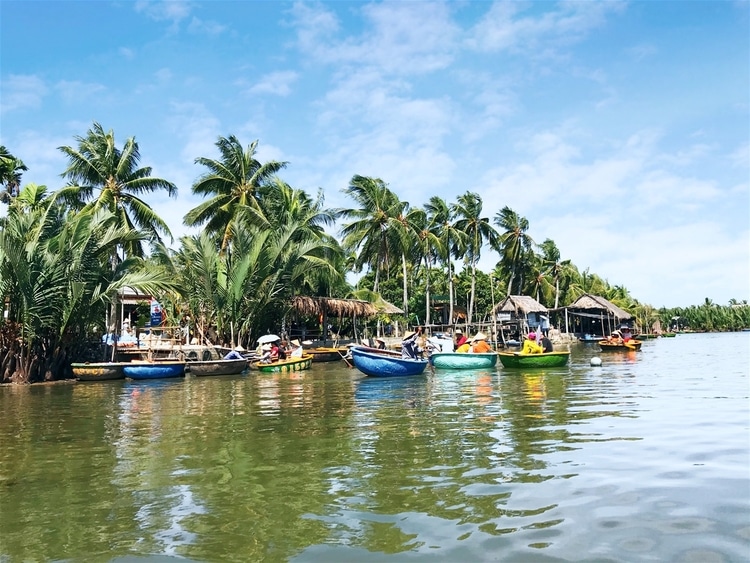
<point>295,349</point>
<point>479,344</point>
<point>409,344</point>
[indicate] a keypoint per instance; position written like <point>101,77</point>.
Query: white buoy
<point>596,361</point>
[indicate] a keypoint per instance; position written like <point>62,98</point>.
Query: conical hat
<point>479,336</point>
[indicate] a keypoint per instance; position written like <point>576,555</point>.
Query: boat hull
<point>217,367</point>
<point>154,370</point>
<point>456,360</point>
<point>545,360</point>
<point>629,347</point>
<point>100,371</point>
<point>290,364</point>
<point>377,364</point>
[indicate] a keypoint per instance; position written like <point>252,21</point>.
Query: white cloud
<point>401,38</point>
<point>504,28</point>
<point>277,83</point>
<point>169,10</point>
<point>76,92</point>
<point>22,91</point>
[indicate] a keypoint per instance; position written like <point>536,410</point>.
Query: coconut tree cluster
<point>66,255</point>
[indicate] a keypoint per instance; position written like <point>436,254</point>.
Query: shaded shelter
<point>325,307</point>
<point>592,314</point>
<point>520,313</point>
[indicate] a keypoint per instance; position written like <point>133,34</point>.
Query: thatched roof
<point>331,306</point>
<point>520,305</point>
<point>587,302</point>
<point>388,308</point>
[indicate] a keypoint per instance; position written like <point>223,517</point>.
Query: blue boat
<point>377,363</point>
<point>153,370</point>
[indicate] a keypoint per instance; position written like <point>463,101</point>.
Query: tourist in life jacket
<point>530,345</point>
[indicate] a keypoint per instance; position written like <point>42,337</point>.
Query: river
<point>646,458</point>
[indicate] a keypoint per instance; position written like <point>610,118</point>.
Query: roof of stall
<point>588,302</point>
<point>332,306</point>
<point>522,304</point>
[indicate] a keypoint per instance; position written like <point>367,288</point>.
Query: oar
<point>343,357</point>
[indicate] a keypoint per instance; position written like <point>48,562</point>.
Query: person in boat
<point>409,348</point>
<point>235,354</point>
<point>380,343</point>
<point>460,338</point>
<point>616,337</point>
<point>265,354</point>
<point>546,343</point>
<point>479,344</point>
<point>531,346</point>
<point>277,352</point>
<point>296,349</point>
<point>282,350</point>
<point>626,334</point>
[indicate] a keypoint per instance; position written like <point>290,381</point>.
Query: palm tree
<point>468,210</point>
<point>97,165</point>
<point>55,275</point>
<point>430,248</point>
<point>452,240</point>
<point>11,169</point>
<point>374,227</point>
<point>235,184</point>
<point>558,269</point>
<point>514,243</point>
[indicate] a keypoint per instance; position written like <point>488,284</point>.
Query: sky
<point>620,130</point>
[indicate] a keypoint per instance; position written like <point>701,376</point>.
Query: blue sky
<point>618,129</point>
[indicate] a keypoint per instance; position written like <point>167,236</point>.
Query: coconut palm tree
<point>102,176</point>
<point>558,269</point>
<point>373,228</point>
<point>11,169</point>
<point>452,241</point>
<point>235,185</point>
<point>514,243</point>
<point>478,230</point>
<point>429,248</point>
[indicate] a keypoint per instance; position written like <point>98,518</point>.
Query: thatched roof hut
<point>592,314</point>
<point>594,304</point>
<point>520,305</point>
<point>333,306</point>
<point>388,308</point>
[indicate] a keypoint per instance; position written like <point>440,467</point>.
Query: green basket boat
<point>459,360</point>
<point>290,364</point>
<point>545,360</point>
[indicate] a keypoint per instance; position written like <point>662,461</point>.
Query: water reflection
<point>631,460</point>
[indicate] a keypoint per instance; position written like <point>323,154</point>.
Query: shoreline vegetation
<point>69,253</point>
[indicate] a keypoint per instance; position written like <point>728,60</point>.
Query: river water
<point>646,458</point>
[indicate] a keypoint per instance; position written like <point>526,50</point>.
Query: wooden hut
<point>520,313</point>
<point>594,315</point>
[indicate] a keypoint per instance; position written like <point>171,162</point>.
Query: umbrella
<point>268,338</point>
